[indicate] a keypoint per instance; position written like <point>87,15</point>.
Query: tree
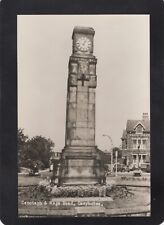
<point>22,148</point>
<point>34,151</point>
<point>40,151</point>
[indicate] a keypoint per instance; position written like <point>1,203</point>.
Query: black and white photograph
<point>83,93</point>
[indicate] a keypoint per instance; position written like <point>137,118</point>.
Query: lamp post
<point>111,142</point>
<point>138,156</point>
<point>116,154</point>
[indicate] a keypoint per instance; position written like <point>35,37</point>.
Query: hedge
<point>75,191</point>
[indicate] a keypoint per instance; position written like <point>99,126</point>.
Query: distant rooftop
<point>131,124</point>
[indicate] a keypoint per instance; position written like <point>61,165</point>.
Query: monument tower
<point>80,161</point>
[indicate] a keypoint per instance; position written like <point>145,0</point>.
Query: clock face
<point>83,44</point>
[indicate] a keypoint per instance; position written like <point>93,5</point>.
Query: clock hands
<point>83,44</point>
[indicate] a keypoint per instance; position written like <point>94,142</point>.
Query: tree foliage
<point>40,150</point>
<point>22,148</point>
<point>34,151</point>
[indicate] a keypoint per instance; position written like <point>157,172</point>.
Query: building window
<point>139,129</point>
<point>134,158</point>
<point>139,142</point>
<point>134,143</point>
<point>144,143</point>
<point>144,158</point>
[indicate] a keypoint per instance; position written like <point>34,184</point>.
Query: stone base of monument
<point>80,166</point>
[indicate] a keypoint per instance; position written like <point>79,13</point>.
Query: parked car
<point>51,168</point>
<point>34,171</point>
<point>132,168</point>
<point>145,167</point>
<point>137,173</point>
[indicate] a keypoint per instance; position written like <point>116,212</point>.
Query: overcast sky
<point>121,45</point>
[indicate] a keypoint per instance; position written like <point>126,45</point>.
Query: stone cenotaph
<point>80,158</point>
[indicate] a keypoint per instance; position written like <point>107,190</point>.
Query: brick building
<point>136,142</point>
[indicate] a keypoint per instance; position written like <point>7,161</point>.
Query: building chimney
<point>145,116</point>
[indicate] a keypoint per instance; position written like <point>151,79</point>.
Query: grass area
<point>26,180</point>
<point>129,179</point>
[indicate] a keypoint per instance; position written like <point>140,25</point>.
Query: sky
<point>121,45</point>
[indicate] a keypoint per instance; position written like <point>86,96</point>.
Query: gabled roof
<point>139,123</point>
<point>131,125</point>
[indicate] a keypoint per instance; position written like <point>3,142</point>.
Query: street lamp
<point>111,142</point>
<point>116,154</point>
<point>138,157</point>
